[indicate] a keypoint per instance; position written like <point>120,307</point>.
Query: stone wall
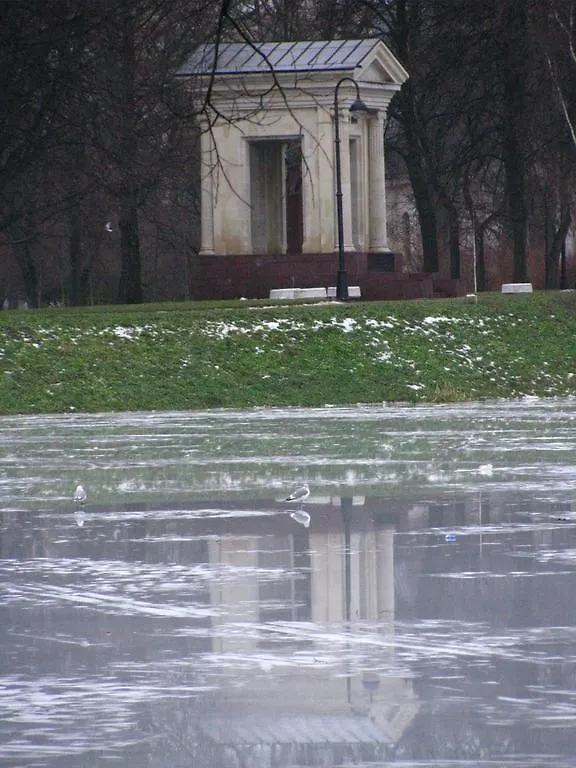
<point>254,276</point>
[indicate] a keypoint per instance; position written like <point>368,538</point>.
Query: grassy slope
<point>237,354</point>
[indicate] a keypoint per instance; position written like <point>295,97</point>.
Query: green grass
<point>261,353</point>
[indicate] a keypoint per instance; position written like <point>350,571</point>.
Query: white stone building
<point>268,145</point>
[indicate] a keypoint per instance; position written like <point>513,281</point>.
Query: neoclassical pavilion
<point>268,158</point>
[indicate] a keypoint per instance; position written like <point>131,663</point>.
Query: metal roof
<point>249,58</point>
<point>312,729</point>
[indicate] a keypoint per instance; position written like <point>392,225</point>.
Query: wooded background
<point>99,150</point>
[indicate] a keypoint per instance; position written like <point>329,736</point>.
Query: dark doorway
<point>276,196</point>
<point>294,217</point>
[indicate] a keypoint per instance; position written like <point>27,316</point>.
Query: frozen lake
<point>181,617</point>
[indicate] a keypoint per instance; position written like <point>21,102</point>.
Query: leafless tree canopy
<point>99,160</point>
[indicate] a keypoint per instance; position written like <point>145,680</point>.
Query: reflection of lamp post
<point>356,106</point>
<point>346,507</point>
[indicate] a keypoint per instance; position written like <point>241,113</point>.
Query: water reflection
<point>220,632</point>
<point>252,608</point>
<point>232,636</point>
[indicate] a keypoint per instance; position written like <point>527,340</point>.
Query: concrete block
<point>283,293</point>
<point>353,292</point>
<point>310,293</point>
<point>298,293</point>
<point>516,287</point>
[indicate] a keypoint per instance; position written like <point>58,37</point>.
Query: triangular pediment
<point>381,66</point>
<point>376,73</point>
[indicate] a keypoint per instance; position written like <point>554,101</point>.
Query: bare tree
<point>37,74</point>
<point>138,122</point>
<point>96,133</point>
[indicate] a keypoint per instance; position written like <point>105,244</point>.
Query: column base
<point>342,285</point>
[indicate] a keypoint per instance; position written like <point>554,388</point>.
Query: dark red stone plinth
<point>379,276</point>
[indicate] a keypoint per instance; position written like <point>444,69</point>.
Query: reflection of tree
<point>490,597</point>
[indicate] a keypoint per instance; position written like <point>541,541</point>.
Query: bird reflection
<point>301,517</point>
<point>80,517</point>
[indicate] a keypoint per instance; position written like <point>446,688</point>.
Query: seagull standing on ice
<point>80,494</point>
<point>300,494</point>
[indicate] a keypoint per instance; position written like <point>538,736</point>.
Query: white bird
<point>80,494</point>
<point>109,226</point>
<point>299,493</point>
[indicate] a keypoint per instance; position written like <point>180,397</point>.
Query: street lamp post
<point>357,106</point>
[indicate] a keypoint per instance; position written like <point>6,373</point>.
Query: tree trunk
<point>25,260</point>
<point>75,254</point>
<point>555,269</point>
<point>421,188</point>
<point>480,259</point>
<point>80,266</point>
<point>130,287</point>
<point>479,264</point>
<point>427,220</point>
<point>516,206</point>
<point>454,242</point>
<point>513,129</point>
<point>563,282</point>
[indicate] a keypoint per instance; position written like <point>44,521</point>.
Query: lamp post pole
<point>357,106</point>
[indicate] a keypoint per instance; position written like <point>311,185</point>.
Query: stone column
<point>320,187</point>
<point>313,216</point>
<point>206,194</point>
<point>308,217</point>
<point>343,126</point>
<point>377,185</point>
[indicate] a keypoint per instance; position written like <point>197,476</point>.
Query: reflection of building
<point>296,618</point>
<point>128,602</point>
